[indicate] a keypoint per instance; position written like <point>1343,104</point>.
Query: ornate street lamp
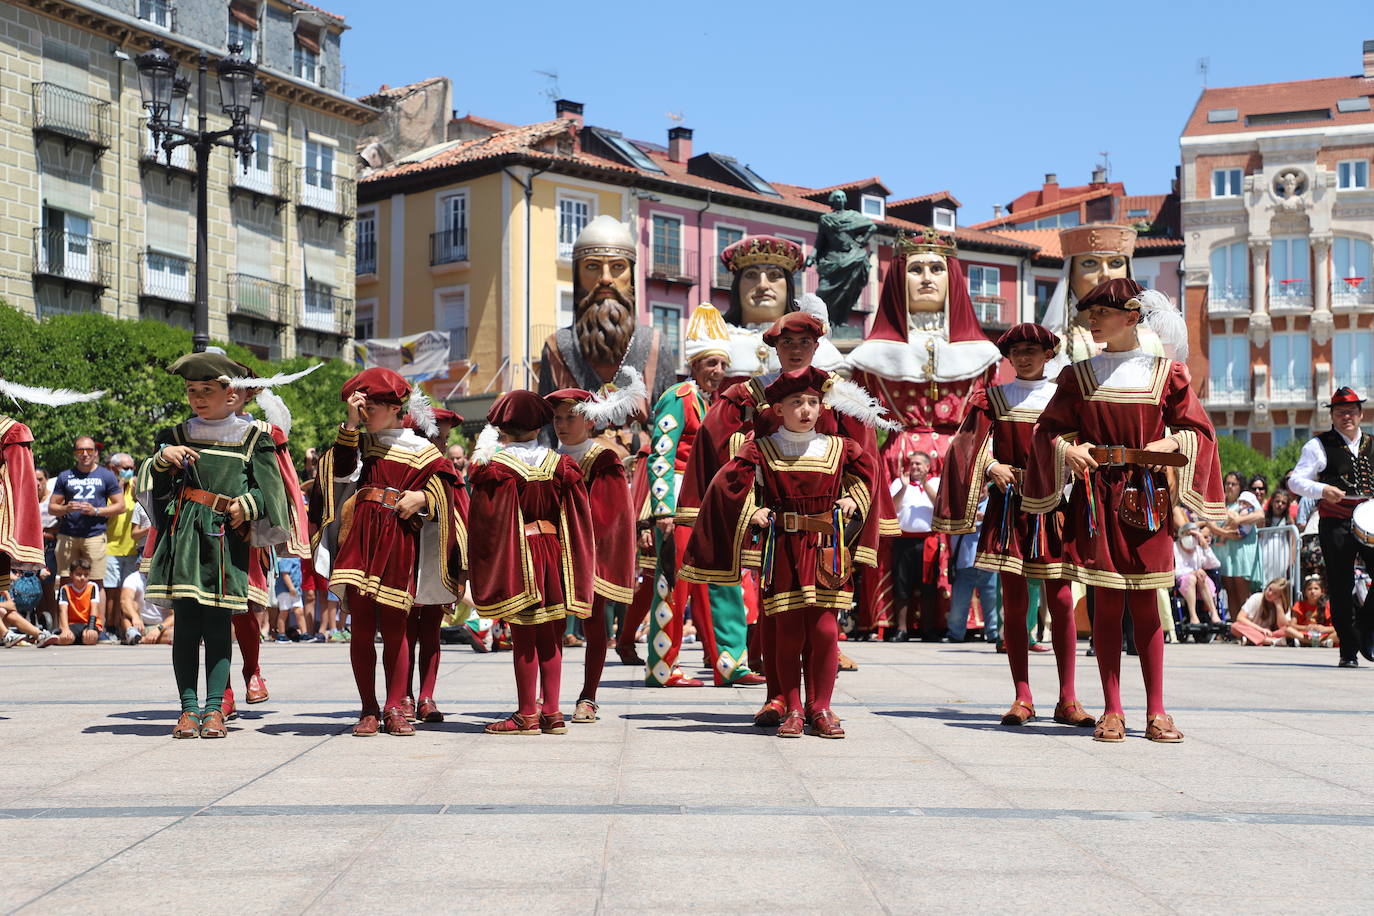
<point>166,97</point>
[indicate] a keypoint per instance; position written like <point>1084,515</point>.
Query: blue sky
<point>981,98</point>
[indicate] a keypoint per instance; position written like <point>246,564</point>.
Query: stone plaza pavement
<point>673,802</point>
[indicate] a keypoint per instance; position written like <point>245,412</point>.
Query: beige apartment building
<point>93,217</point>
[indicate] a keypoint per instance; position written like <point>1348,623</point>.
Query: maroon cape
<point>21,530</point>
<point>613,520</point>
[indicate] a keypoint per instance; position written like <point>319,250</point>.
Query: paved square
<point>673,802</point>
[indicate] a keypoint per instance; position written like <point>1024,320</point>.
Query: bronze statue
<point>841,257</point>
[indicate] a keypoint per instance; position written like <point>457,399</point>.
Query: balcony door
<point>258,176</point>
<point>65,248</point>
<point>319,188</point>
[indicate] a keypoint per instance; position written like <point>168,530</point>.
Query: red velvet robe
<point>21,530</point>
<point>380,557</point>
<point>531,578</point>
<point>613,520</point>
<point>1084,411</point>
<point>261,565</point>
<point>723,543</point>
<point>1010,540</point>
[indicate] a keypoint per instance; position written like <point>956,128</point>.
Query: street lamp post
<point>165,98</point>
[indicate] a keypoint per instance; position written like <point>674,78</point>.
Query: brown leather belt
<point>540,527</point>
<point>386,497</point>
<point>1113,455</point>
<point>795,521</point>
<point>214,500</point>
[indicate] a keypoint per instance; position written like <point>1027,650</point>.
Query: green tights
<point>196,623</point>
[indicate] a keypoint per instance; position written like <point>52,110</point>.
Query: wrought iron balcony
<point>1290,389</point>
<point>1228,300</point>
<point>71,115</point>
<point>448,247</point>
<point>267,176</point>
<point>255,297</point>
<point>166,276</point>
<point>365,256</point>
<point>1225,392</point>
<point>458,343</point>
<point>318,310</point>
<point>673,265</point>
<point>152,152</point>
<point>1352,293</point>
<point>325,192</point>
<point>989,311</point>
<point>1290,295</point>
<point>71,257</point>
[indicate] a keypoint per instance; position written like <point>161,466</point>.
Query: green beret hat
<point>208,367</point>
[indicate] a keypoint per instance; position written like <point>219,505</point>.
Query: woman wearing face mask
<point>1237,545</point>
<point>1193,556</point>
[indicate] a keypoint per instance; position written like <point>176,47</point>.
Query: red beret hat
<point>798,380</point>
<point>378,384</point>
<point>580,395</point>
<point>1027,332</point>
<point>1343,397</point>
<point>520,409</point>
<point>794,323</point>
<point>1113,294</point>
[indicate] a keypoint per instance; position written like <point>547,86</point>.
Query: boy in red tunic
<point>787,505</point>
<point>608,489</point>
<point>530,505</point>
<point>993,447</point>
<point>403,483</point>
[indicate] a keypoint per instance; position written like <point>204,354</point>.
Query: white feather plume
<point>284,378</point>
<point>51,397</point>
<point>1163,317</point>
<point>814,305</point>
<point>421,411</point>
<point>275,411</point>
<point>853,399</point>
<point>615,408</point>
<point>488,444</point>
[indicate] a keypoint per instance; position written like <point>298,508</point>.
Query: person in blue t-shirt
<point>83,498</point>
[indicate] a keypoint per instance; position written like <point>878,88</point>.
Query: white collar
<point>229,430</point>
<point>1030,384</point>
<point>529,451</point>
<point>786,435</point>
<point>579,451</point>
<point>400,437</point>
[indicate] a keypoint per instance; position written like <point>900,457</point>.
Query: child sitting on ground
<point>79,615</point>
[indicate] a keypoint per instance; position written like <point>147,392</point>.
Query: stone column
<point>1260,322</point>
<point>1322,323</point>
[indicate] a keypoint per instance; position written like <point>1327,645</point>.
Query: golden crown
<point>762,249</point>
<point>926,241</point>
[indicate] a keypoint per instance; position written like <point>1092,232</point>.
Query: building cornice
<point>1250,139</point>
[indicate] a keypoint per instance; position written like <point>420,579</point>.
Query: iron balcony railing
<point>1290,294</point>
<point>1352,292</point>
<point>267,175</point>
<point>152,151</point>
<point>458,343</point>
<point>71,114</point>
<point>1290,388</point>
<point>255,297</point>
<point>365,256</point>
<point>989,311</point>
<point>317,310</point>
<point>676,265</point>
<point>448,246</point>
<point>70,256</point>
<point>166,276</point>
<point>161,13</point>
<point>1228,300</point>
<point>1223,390</point>
<point>325,191</point>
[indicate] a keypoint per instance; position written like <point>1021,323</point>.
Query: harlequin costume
<point>1018,546</point>
<point>384,565</point>
<point>1128,399</point>
<point>531,507</point>
<point>199,562</point>
<point>613,521</point>
<point>806,554</point>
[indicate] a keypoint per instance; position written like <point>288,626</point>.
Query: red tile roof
<point>1058,206</point>
<point>1272,98</point>
<point>1036,198</point>
<point>307,6</point>
<point>1046,240</point>
<point>923,198</point>
<point>487,123</point>
<point>849,185</point>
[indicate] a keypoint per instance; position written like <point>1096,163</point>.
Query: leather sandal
<point>1020,713</point>
<point>428,711</point>
<point>212,724</point>
<point>552,723</point>
<point>396,722</point>
<point>847,663</point>
<point>408,708</point>
<point>227,705</point>
<point>1073,714</point>
<point>515,725</point>
<point>1111,727</point>
<point>257,690</point>
<point>1162,730</point>
<point>680,679</point>
<point>825,724</point>
<point>771,714</point>
<point>188,726</point>
<point>585,712</point>
<point>368,725</point>
<point>793,725</point>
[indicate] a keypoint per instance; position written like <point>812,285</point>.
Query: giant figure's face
<point>762,293</point>
<point>603,307</point>
<point>927,282</point>
<point>1088,270</point>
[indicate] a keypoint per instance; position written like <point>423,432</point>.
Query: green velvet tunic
<point>197,555</point>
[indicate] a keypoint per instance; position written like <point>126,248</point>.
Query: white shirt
<point>577,452</point>
<point>1311,462</point>
<point>229,431</point>
<point>915,510</point>
<point>1124,368</point>
<point>810,444</point>
<point>152,614</point>
<point>1190,561</point>
<point>529,451</point>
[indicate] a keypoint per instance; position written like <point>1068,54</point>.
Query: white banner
<point>417,357</point>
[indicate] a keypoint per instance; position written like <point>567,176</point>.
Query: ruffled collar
<point>230,430</point>
<point>529,451</point>
<point>579,451</point>
<point>400,437</point>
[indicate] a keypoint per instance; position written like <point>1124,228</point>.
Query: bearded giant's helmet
<point>892,321</point>
<point>605,237</point>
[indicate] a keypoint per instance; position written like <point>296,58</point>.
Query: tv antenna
<point>1203,63</point>
<point>677,116</point>
<point>1106,163</point>
<point>553,93</point>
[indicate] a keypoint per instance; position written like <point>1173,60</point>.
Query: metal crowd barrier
<point>1280,549</point>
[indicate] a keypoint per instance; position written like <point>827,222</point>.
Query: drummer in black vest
<point>1337,468</point>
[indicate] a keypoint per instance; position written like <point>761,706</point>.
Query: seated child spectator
<point>1312,614</point>
<point>15,628</point>
<point>79,618</point>
<point>1193,556</point>
<point>154,623</point>
<point>289,599</point>
<point>1263,619</point>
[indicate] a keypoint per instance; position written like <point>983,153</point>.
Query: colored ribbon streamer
<point>1092,503</point>
<point>1150,521</point>
<point>1003,534</point>
<point>769,548</point>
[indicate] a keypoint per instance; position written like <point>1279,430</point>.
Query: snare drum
<point>1362,523</point>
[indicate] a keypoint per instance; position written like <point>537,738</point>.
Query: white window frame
<point>1231,292</point>
<point>366,216</point>
<point>1348,177</point>
<point>986,312</point>
<point>1290,373</point>
<point>1351,364</point>
<point>74,260</point>
<point>153,11</point>
<point>564,305</point>
<point>1345,263</point>
<point>1232,179</point>
<point>305,63</point>
<point>565,245</point>
<point>256,177</point>
<point>875,201</point>
<point>237,31</point>
<point>719,272</point>
<point>1237,379</point>
<point>441,323</point>
<point>319,191</point>
<point>654,260</point>
<point>944,218</point>
<point>443,222</point>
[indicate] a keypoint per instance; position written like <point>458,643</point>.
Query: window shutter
<point>168,227</point>
<point>244,12</point>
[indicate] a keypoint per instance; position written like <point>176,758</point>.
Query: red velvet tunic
<point>613,520</point>
<point>1010,540</point>
<point>723,543</point>
<point>928,423</point>
<point>380,558</point>
<point>21,531</point>
<point>261,565</point>
<point>531,578</point>
<point>1083,410</point>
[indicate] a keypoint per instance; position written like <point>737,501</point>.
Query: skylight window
<point>1288,117</point>
<point>1357,104</point>
<point>1221,115</point>
<point>745,175</point>
<point>625,150</point>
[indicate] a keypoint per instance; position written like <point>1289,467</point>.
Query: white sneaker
<point>46,638</point>
<point>13,638</point>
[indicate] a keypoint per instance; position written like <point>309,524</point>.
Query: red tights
<point>596,631</point>
<point>805,639</point>
<point>1111,604</point>
<point>368,618</point>
<point>635,613</point>
<point>249,637</point>
<point>538,658</point>
<point>422,634</point>
<point>1059,598</point>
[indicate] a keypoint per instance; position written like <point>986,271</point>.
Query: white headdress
<point>614,405</point>
<point>1161,316</point>
<point>421,412</point>
<point>707,334</point>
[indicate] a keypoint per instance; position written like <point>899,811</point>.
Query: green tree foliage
<point>127,359</point>
<point>1237,456</point>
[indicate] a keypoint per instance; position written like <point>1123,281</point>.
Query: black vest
<point>1348,472</point>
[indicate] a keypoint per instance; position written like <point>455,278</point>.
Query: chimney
<point>996,211</point>
<point>1369,59</point>
<point>679,144</point>
<point>1099,175</point>
<point>562,108</point>
<point>1049,194</point>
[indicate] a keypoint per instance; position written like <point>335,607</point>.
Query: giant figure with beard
<point>604,335</point>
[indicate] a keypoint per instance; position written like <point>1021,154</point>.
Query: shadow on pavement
<point>723,723</point>
<point>302,729</point>
<point>981,721</point>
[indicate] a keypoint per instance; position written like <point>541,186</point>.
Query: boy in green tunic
<point>212,476</point>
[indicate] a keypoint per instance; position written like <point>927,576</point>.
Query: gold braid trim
<point>1188,444</point>
<point>966,523</point>
<point>1049,502</point>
